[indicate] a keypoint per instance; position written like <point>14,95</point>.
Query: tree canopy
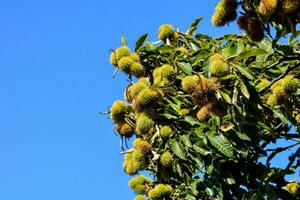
<point>204,112</point>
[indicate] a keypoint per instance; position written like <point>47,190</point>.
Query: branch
<point>292,159</point>
<point>278,150</point>
<point>281,76</point>
<point>279,61</point>
<point>291,135</point>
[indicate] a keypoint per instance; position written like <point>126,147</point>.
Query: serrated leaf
<point>243,136</point>
<point>250,53</point>
<point>186,140</point>
<point>220,143</point>
<point>278,114</point>
<point>225,96</point>
<point>233,49</point>
<point>244,89</point>
<point>190,197</point>
<point>169,116</point>
<point>193,26</point>
<point>178,149</point>
<point>200,134</point>
<point>150,46</point>
<point>140,41</point>
<point>245,71</point>
<point>185,67</point>
<point>235,95</point>
<point>201,150</point>
<point>191,120</point>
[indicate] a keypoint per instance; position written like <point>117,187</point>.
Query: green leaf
<point>225,96</point>
<point>243,136</point>
<point>285,50</point>
<point>235,94</point>
<point>185,67</point>
<point>245,71</point>
<point>200,134</point>
<point>266,45</point>
<point>150,46</point>
<point>193,26</point>
<point>294,36</point>
<point>178,149</point>
<point>220,143</point>
<point>278,114</point>
<point>169,116</point>
<point>140,41</point>
<point>249,53</point>
<point>230,181</point>
<point>186,140</point>
<point>190,197</point>
<point>233,49</point>
<point>244,89</point>
<point>191,120</point>
<point>209,191</point>
<point>201,150</point>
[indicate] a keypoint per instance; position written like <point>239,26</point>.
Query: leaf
<point>140,41</point>
<point>190,197</point>
<point>266,45</point>
<point>250,53</point>
<point>200,134</point>
<point>227,126</point>
<point>285,50</point>
<point>169,116</point>
<point>230,181</point>
<point>245,71</point>
<point>220,143</point>
<point>225,96</point>
<point>186,140</point>
<point>294,36</point>
<point>178,149</point>
<point>233,49</point>
<point>235,94</point>
<point>243,136</point>
<point>185,67</point>
<point>278,114</point>
<point>191,120</point>
<point>193,26</point>
<point>209,191</point>
<point>244,89</point>
<point>201,150</point>
<point>150,46</point>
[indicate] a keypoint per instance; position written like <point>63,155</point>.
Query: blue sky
<point>55,78</point>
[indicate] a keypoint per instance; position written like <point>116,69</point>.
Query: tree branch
<point>292,158</point>
<point>278,150</point>
<point>280,77</point>
<point>280,61</point>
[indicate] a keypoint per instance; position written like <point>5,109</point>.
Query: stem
<point>278,150</point>
<point>279,61</point>
<point>280,77</point>
<point>292,158</point>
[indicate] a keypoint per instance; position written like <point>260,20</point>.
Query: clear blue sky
<point>55,78</point>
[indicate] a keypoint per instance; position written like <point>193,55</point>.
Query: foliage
<point>204,113</point>
<point>258,16</point>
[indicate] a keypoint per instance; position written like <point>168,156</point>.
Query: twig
<point>127,151</point>
<point>115,72</point>
<point>280,77</point>
<point>278,150</point>
<point>104,113</point>
<point>279,61</point>
<point>292,158</point>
